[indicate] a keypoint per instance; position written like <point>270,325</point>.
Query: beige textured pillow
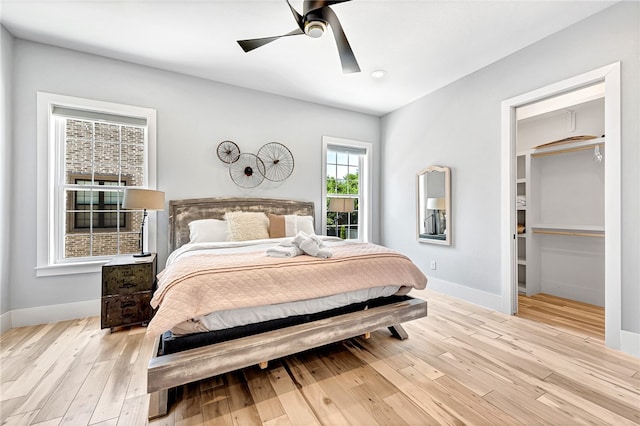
<point>244,226</point>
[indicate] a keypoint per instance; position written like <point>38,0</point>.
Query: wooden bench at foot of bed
<point>169,371</point>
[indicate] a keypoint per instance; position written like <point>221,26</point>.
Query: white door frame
<point>610,74</point>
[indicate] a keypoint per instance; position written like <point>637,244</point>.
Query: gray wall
<point>6,51</point>
<point>457,126</point>
<point>194,115</point>
<point>460,126</point>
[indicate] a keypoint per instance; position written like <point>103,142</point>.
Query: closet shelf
<point>567,147</point>
<point>575,230</point>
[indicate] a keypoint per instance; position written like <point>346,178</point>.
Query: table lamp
<point>435,204</point>
<point>145,199</point>
<point>341,205</point>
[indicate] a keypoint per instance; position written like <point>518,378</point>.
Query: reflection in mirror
<point>433,186</point>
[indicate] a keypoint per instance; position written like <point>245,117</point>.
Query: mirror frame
<point>447,195</point>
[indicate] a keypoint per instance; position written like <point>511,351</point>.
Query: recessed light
<point>377,74</point>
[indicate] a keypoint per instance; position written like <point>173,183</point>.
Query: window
<point>346,209</point>
<point>343,195</point>
<point>106,203</point>
<point>101,154</point>
<point>91,150</point>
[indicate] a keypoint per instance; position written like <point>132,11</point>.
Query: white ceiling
<point>423,45</point>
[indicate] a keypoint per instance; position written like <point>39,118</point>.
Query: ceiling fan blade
<point>309,5</point>
<point>347,58</point>
<point>297,16</point>
<point>249,45</point>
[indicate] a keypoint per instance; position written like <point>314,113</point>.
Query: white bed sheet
<point>220,320</point>
<point>224,319</point>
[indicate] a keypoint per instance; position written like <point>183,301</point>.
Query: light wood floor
<point>564,313</point>
<point>461,365</point>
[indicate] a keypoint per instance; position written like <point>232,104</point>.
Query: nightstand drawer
<point>126,309</point>
<point>122,279</point>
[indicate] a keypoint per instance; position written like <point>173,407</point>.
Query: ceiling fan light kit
<point>313,22</point>
<point>315,29</point>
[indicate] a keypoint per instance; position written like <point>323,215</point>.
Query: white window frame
<point>365,189</point>
<point>49,221</point>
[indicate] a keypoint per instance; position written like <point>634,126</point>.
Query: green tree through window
<point>343,182</point>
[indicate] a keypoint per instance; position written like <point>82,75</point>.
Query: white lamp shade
<point>137,198</point>
<point>435,203</point>
<point>341,205</point>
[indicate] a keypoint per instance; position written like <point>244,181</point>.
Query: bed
<point>178,360</point>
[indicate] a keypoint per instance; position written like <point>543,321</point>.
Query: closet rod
<point>574,234</point>
<point>562,151</point>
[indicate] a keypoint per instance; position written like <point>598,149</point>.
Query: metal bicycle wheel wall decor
<point>278,161</point>
<point>228,152</point>
<point>247,171</point>
<point>273,162</point>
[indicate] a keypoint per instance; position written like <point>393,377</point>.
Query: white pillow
<point>305,224</point>
<point>244,226</point>
<point>208,231</point>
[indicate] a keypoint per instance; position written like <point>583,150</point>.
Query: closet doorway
<point>562,149</point>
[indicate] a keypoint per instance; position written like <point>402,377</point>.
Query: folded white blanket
<point>284,251</point>
<point>311,245</point>
<point>302,243</point>
<point>311,248</point>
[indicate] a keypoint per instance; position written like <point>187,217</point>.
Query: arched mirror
<point>433,186</point>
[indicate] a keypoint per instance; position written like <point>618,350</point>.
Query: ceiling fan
<point>313,22</point>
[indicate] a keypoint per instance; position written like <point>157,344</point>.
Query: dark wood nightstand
<point>127,286</point>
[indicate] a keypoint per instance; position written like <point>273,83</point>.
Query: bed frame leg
<point>158,404</point>
<point>398,332</point>
<point>263,365</point>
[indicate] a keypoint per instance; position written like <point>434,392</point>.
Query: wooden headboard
<point>181,212</point>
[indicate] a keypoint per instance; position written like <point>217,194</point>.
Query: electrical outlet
<point>433,265</point>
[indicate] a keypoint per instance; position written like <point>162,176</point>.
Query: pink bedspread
<point>199,284</point>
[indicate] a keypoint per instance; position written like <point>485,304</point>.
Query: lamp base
<point>141,254</point>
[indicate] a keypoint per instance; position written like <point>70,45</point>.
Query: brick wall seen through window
<point>101,158</point>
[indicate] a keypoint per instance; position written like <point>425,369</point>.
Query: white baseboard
<point>468,294</point>
<point>630,343</point>
<point>5,322</point>
<point>54,313</point>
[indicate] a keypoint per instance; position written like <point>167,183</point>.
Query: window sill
<point>90,267</point>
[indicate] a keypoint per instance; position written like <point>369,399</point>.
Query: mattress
<point>229,319</point>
